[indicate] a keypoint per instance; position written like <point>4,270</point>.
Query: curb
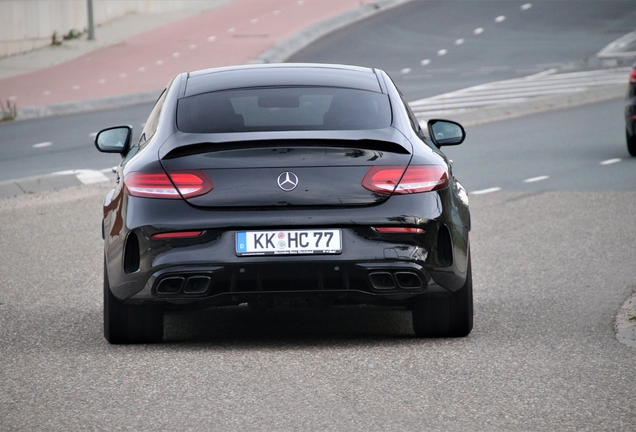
<point>290,46</point>
<point>64,179</point>
<point>625,325</point>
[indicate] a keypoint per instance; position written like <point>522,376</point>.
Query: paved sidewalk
<point>138,65</point>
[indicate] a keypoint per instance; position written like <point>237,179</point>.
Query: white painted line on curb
<point>536,179</point>
<point>610,161</point>
<point>485,191</point>
<point>42,144</point>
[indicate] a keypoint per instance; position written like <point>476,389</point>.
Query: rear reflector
<point>177,235</point>
<point>632,76</point>
<point>158,185</point>
<point>398,230</point>
<point>416,179</point>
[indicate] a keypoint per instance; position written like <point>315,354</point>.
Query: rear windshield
<point>283,109</point>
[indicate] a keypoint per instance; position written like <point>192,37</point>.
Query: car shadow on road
<point>241,326</point>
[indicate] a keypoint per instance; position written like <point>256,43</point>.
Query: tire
<point>441,317</point>
<point>631,143</point>
<point>130,324</point>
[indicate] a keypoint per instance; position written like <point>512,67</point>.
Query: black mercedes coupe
<point>270,185</point>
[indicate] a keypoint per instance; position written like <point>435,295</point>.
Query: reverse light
<point>159,185</point>
<point>416,179</point>
<point>399,230</point>
<point>177,235</point>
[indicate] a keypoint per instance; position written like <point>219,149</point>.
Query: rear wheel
<point>631,143</point>
<point>129,324</point>
<point>451,316</point>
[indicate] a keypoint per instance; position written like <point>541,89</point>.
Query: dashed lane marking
<point>536,179</point>
<point>485,191</point>
<point>42,144</point>
<point>610,161</point>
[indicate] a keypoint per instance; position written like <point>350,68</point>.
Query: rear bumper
<point>343,281</point>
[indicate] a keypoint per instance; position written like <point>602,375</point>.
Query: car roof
<point>283,74</point>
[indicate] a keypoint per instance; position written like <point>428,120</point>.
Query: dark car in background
<point>630,113</point>
<point>268,185</point>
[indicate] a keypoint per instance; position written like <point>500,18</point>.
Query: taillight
<point>158,185</point>
<point>416,179</point>
<point>632,76</point>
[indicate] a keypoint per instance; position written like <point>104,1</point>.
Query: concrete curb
<point>282,51</point>
<point>29,185</point>
<point>625,325</point>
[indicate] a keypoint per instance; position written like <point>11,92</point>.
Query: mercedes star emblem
<point>287,181</point>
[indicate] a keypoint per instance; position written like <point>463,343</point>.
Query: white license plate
<point>289,242</point>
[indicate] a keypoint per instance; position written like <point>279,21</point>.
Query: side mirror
<point>446,132</point>
<point>114,139</point>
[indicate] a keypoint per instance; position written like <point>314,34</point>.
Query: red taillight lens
<point>398,230</point>
<point>159,185</point>
<point>632,76</point>
<point>177,235</point>
<point>416,179</point>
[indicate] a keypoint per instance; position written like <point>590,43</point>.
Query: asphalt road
<point>467,43</point>
<point>553,261</point>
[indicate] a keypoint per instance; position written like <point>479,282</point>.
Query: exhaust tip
<point>382,280</point>
<point>170,285</point>
<point>408,280</point>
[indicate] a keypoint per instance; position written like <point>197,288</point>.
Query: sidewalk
<point>139,64</point>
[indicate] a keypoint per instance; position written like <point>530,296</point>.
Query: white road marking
<point>500,18</point>
<point>517,90</point>
<point>478,31</point>
<point>46,92</point>
<point>231,30</point>
<point>459,41</point>
<point>102,81</point>
<point>92,134</point>
<point>486,191</point>
<point>42,144</point>
<point>211,38</point>
<point>536,179</point>
<point>193,46</point>
<point>405,71</point>
<point>526,6</point>
<point>159,62</point>
<point>442,52</point>
<point>122,75</point>
<point>425,62</point>
<point>610,161</point>
<point>142,69</point>
<point>175,54</point>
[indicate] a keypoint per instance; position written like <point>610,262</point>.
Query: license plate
<point>289,242</point>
